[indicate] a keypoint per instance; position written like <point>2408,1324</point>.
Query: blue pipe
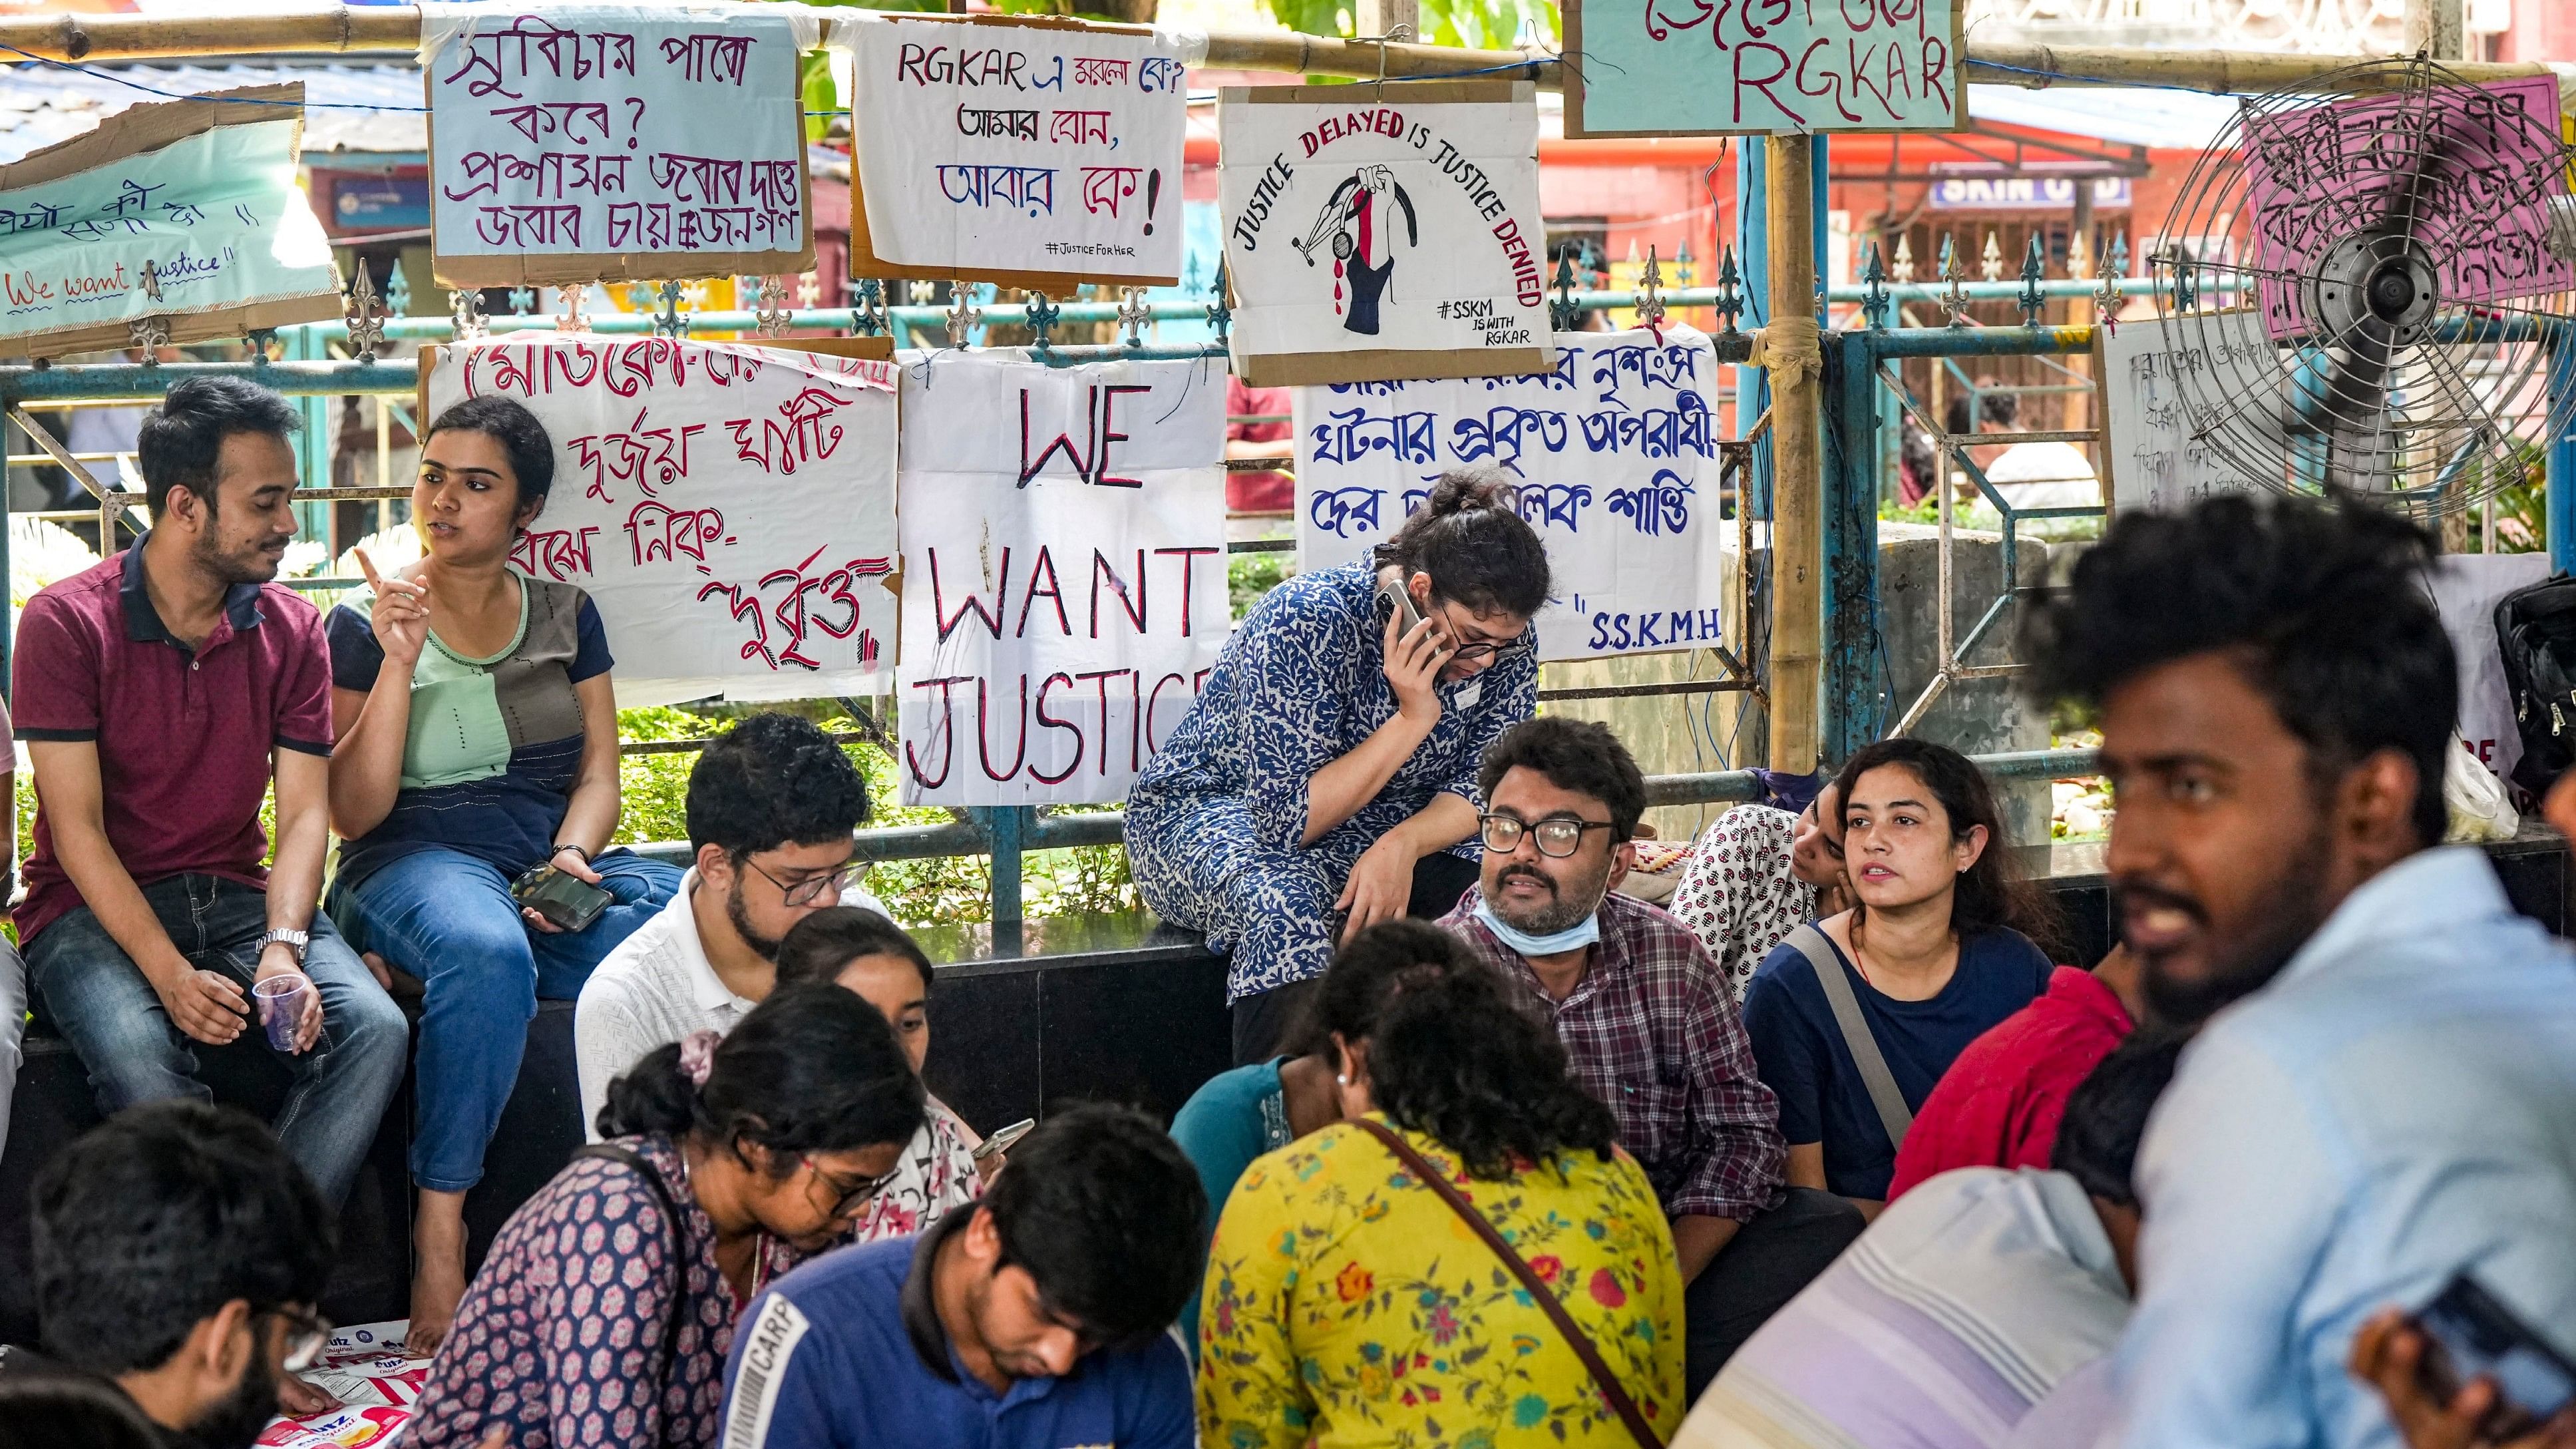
<point>2560,459</point>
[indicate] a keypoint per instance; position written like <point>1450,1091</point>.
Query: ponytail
<point>1470,538</point>
<point>811,1069</point>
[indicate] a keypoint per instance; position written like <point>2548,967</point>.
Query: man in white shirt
<point>2028,475</point>
<point>772,804</point>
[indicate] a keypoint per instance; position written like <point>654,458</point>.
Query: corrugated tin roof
<point>43,104</point>
<point>2123,115</point>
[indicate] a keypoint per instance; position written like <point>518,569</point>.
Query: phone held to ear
<point>1002,1141</point>
<point>2470,1334</point>
<point>1392,600</point>
<point>567,901</point>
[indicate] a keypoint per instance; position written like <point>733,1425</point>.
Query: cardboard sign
<point>2162,378</point>
<point>1696,67</point>
<point>1616,455</point>
<point>2467,169</point>
<point>613,143</point>
<point>729,508</point>
<point>185,211</point>
<point>1023,152</point>
<point>1064,571</point>
<point>1384,232</point>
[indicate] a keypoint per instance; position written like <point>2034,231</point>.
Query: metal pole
<point>2561,460</point>
<point>1850,547</point>
<point>1797,398</point>
<point>1006,827</point>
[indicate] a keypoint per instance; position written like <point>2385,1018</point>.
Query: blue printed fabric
<point>1214,824</point>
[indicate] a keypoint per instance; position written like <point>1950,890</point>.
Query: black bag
<point>2536,636</point>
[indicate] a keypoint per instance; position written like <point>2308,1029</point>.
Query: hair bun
<point>1466,492</point>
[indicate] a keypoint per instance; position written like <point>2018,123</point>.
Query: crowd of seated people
<point>1527,1173</point>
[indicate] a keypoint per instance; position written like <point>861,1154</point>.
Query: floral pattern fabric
<point>1737,894</point>
<point>1215,824</point>
<point>1346,1304</point>
<point>936,1173</point>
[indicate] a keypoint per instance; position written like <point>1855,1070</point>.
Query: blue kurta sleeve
<point>1290,713</point>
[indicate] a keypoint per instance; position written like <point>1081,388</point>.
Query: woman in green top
<point>476,741</point>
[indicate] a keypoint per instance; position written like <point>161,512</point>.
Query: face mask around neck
<point>1573,938</point>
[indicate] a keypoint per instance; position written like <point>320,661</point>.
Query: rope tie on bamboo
<point>1791,347</point>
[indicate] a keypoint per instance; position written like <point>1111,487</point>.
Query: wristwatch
<point>297,939</point>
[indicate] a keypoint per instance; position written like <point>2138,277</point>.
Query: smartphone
<point>1392,600</point>
<point>2469,1335</point>
<point>1001,1141</point>
<point>567,901</point>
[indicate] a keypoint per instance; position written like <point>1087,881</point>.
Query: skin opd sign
<point>1696,67</point>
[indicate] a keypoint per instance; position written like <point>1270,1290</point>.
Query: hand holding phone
<point>1002,1141</point>
<point>565,901</point>
<point>1416,652</point>
<point>2465,1373</point>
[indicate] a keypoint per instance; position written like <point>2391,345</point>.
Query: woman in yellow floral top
<point>1347,1304</point>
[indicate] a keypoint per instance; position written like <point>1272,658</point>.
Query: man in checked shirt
<point>1649,1025</point>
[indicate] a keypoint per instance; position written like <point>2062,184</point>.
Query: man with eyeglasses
<point>1649,1026</point>
<point>179,1252</point>
<point>772,805</point>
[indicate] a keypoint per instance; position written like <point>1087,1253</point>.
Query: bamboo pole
<point>1797,462</point>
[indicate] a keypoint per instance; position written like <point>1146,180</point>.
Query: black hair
<point>1367,973</point>
<point>180,441</point>
<point>72,1411</point>
<point>775,779</point>
<point>1470,538</point>
<point>2322,606</point>
<point>2097,1139</point>
<point>817,947</point>
<point>2000,408</point>
<point>1990,893</point>
<point>1574,754</point>
<point>521,436</point>
<point>1455,1058</point>
<point>1104,1213</point>
<point>151,1222</point>
<point>811,1069</point>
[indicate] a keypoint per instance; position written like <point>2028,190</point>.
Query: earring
<point>1342,1077</point>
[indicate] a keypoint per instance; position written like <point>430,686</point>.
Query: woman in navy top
<point>1931,953</point>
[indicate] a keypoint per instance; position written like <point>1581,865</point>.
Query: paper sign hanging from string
<point>1701,67</point>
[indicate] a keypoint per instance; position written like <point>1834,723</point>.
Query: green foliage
<point>2521,502</point>
<point>1250,575</point>
<point>1476,24</point>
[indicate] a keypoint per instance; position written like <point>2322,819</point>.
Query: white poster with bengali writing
<point>730,508</point>
<point>613,142</point>
<point>994,151</point>
<point>1064,571</point>
<point>1615,453</point>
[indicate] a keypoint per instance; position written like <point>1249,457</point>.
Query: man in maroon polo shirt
<point>153,694</point>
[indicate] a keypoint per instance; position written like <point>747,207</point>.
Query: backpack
<point>2536,636</point>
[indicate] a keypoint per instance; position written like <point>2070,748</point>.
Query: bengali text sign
<point>1370,239</point>
<point>730,508</point>
<point>1615,452</point>
<point>2167,386</point>
<point>1007,150</point>
<point>1667,67</point>
<point>1064,572</point>
<point>609,141</point>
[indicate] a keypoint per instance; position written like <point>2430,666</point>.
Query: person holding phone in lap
<point>474,781</point>
<point>1325,779</point>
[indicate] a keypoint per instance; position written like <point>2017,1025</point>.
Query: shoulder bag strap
<point>644,1168</point>
<point>1611,1389</point>
<point>1893,1114</point>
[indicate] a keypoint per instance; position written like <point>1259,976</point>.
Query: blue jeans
<point>448,918</point>
<point>111,1016</point>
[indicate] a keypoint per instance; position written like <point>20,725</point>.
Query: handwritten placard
<point>729,507</point>
<point>185,212</point>
<point>2168,385</point>
<point>1693,67</point>
<point>1017,151</point>
<point>1064,571</point>
<point>1384,233</point>
<point>1615,451</point>
<point>2452,184</point>
<point>613,143</point>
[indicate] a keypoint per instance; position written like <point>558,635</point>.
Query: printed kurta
<point>1214,824</point>
<point>1346,1304</point>
<point>1738,894</point>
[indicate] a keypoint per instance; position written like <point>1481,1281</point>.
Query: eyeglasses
<point>851,1199</point>
<point>813,887</point>
<point>1557,836</point>
<point>307,1334</point>
<point>1509,648</point>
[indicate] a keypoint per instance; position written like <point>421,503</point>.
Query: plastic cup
<point>281,1008</point>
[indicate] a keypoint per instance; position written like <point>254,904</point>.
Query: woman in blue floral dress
<point>1328,768</point>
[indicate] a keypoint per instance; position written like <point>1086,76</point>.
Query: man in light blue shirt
<point>2385,1094</point>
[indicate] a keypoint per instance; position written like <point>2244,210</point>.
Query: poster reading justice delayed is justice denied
<point>1384,232</point>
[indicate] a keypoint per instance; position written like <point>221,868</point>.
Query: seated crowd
<point>1833,1157</point>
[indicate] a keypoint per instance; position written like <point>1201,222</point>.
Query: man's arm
<point>606,1040</point>
<point>1734,1121</point>
<point>1699,1239</point>
<point>295,869</point>
<point>207,1005</point>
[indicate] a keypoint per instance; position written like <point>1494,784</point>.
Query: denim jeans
<point>448,918</point>
<point>107,1011</point>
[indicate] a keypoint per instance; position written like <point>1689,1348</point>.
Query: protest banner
<point>613,143</point>
<point>2452,184</point>
<point>1615,454</point>
<point>1383,232</point>
<point>1696,67</point>
<point>2157,452</point>
<point>1018,150</point>
<point>730,508</point>
<point>1064,571</point>
<point>184,214</point>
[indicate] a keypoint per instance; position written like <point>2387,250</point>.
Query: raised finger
<point>367,566</point>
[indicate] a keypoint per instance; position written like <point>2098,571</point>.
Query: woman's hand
<point>1414,659</point>
<point>572,863</point>
<point>401,616</point>
<point>1381,883</point>
<point>2388,1354</point>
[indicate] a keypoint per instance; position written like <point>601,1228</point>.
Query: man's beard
<point>2289,913</point>
<point>253,565</point>
<point>740,915</point>
<point>236,1422</point>
<point>1563,909</point>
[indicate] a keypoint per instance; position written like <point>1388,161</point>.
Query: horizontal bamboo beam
<point>338,28</point>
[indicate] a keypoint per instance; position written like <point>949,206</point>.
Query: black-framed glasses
<point>307,1334</point>
<point>1558,835</point>
<point>849,1200</point>
<point>1509,648</point>
<point>813,887</point>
